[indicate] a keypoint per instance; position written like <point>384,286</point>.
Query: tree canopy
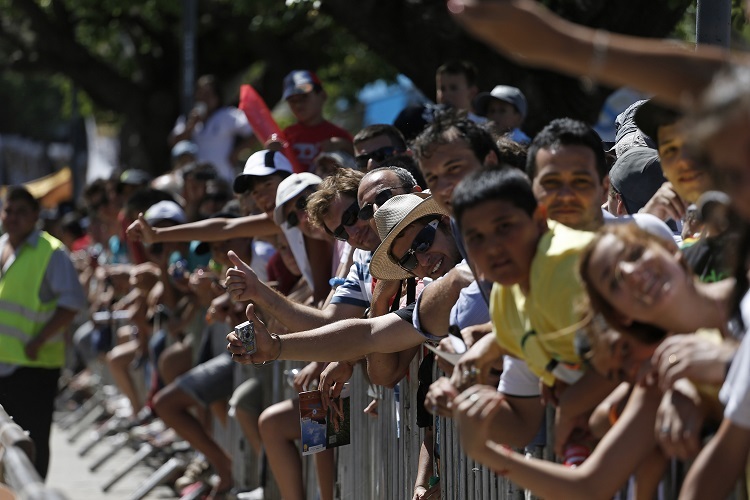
<point>124,55</point>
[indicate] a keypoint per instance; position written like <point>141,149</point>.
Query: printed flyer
<point>323,429</point>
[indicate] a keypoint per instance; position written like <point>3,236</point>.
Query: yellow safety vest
<point>22,313</point>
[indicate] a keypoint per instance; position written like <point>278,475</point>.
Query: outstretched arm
<point>600,476</point>
<point>531,34</point>
<point>204,230</point>
<point>342,340</point>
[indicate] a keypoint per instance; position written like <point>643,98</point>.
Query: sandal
<point>225,494</point>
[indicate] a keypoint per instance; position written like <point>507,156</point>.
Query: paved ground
<point>69,473</point>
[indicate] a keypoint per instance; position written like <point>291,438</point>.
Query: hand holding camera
<point>251,342</point>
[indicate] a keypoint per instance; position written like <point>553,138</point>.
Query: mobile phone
<point>246,333</point>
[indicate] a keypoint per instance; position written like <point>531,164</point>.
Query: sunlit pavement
<point>69,473</point>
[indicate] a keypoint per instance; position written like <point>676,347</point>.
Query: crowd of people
<point>605,280</point>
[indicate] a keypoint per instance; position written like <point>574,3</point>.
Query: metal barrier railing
<point>18,471</point>
<point>382,460</point>
<point>380,463</point>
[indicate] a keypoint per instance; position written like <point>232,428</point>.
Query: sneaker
<point>149,431</point>
<point>256,494</point>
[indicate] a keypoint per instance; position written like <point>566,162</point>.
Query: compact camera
<point>246,333</point>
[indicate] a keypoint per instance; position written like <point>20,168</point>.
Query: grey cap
<point>511,95</point>
<point>628,134</point>
<point>637,175</point>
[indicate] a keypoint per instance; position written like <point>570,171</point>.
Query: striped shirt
<point>357,289</point>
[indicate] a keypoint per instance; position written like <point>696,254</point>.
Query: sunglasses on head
<point>377,156</point>
<point>368,210</point>
<point>348,218</point>
<point>421,243</point>
<point>293,219</point>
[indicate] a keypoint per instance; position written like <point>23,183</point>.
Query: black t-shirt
<point>424,418</point>
<point>406,313</point>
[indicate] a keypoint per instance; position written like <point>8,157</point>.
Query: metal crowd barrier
<point>18,471</point>
<point>381,461</point>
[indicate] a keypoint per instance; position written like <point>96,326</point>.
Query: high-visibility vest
<point>22,313</point>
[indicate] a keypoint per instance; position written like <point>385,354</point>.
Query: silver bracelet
<point>264,363</point>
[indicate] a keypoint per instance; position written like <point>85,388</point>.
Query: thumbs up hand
<point>242,283</point>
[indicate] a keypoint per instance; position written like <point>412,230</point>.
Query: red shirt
<point>305,141</point>
<point>278,272</point>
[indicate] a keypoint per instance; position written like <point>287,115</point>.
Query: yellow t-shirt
<point>536,327</point>
<point>713,335</point>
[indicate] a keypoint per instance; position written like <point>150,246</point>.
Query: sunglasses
<point>293,219</point>
<point>368,210</point>
<point>348,218</point>
<point>422,242</point>
<point>377,156</point>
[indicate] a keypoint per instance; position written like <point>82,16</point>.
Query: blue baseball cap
<point>300,81</point>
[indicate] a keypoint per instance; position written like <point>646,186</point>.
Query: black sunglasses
<point>348,218</point>
<point>368,210</point>
<point>377,156</point>
<point>422,242</point>
<point>293,219</point>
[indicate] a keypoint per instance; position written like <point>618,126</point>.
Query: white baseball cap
<point>289,188</point>
<point>261,164</point>
<point>165,210</point>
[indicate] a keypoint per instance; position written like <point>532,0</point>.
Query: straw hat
<point>391,218</point>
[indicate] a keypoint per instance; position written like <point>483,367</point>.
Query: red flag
<point>263,124</point>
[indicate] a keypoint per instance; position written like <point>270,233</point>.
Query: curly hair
<point>448,126</point>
